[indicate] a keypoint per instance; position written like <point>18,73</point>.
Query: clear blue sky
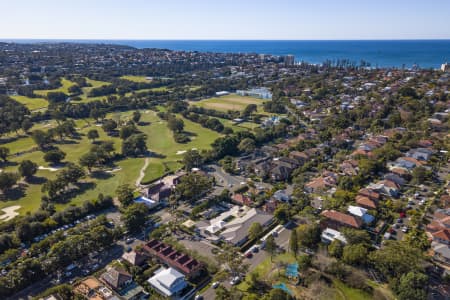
<point>225,19</point>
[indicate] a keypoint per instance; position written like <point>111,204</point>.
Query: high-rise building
<point>289,60</point>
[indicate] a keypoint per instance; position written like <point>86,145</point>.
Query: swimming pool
<point>283,287</point>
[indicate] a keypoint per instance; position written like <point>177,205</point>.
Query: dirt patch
<point>9,213</point>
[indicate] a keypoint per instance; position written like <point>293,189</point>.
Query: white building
<point>329,235</point>
<point>168,282</point>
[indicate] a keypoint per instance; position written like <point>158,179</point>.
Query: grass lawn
<point>348,293</point>
<point>66,84</point>
<point>267,270</point>
<point>31,103</point>
<point>135,78</point>
<point>160,140</point>
<point>229,102</point>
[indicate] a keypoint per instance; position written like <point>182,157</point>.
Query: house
<point>232,226</point>
<point>168,282</point>
<point>135,258</point>
<point>385,187</point>
<point>159,191</point>
<point>442,236</point>
<point>321,183</point>
<point>365,202</point>
<point>423,154</point>
<point>300,157</point>
<point>407,162</point>
<point>361,213</point>
<point>242,199</point>
<point>271,205</point>
<point>174,258</point>
<point>116,278</point>
<point>336,220</point>
<point>441,252</point>
<point>281,195</point>
<point>395,178</point>
<point>329,235</point>
<point>371,194</point>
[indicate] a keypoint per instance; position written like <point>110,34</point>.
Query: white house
<point>168,282</point>
<point>329,235</point>
<point>361,212</point>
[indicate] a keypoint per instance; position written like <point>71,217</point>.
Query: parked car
<point>129,240</point>
<point>215,285</point>
<point>249,254</point>
<point>235,280</point>
<point>405,229</point>
<point>255,249</point>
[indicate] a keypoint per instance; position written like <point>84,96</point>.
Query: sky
<point>225,19</point>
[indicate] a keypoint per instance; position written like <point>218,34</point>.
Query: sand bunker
<point>114,170</point>
<point>181,152</point>
<point>9,213</point>
<point>48,168</point>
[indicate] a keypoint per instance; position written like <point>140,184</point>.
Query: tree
<point>417,238</point>
<point>127,130</point>
<point>192,159</point>
<point>304,262</point>
<point>54,156</point>
<point>255,231</point>
<point>396,258</point>
<point>134,145</point>
<point>232,259</point>
<point>175,124</point>
<point>27,169</point>
<point>7,180</point>
<point>93,135</point>
<point>281,213</point>
<point>308,235</point>
<point>247,145</point>
<point>4,152</point>
<point>192,187</point>
<point>335,248</point>
<point>40,138</point>
<point>26,125</point>
<point>271,246</point>
<point>355,236</point>
<point>249,109</point>
<point>56,97</point>
<point>136,116</point>
<point>135,216</point>
<point>125,195</point>
<point>293,243</point>
<point>88,160</point>
<point>411,286</point>
<point>420,175</point>
<point>354,254</point>
<point>109,126</point>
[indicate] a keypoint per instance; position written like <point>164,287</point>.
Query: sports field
<point>229,102</point>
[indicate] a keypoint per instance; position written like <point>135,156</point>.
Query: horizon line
<point>256,40</point>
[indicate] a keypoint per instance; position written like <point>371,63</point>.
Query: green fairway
<point>31,103</point>
<point>135,78</point>
<point>66,84</point>
<point>160,140</point>
<point>229,102</point>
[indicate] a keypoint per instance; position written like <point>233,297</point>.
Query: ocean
<point>379,53</point>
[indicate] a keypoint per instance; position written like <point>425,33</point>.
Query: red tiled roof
<point>369,193</point>
<point>173,257</point>
<point>366,202</point>
<point>342,218</point>
<point>442,235</point>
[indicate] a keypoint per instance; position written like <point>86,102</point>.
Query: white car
<point>215,285</point>
<point>235,280</point>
